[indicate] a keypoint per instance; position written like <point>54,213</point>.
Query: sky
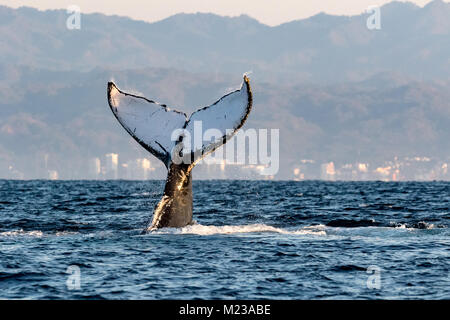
<point>271,12</point>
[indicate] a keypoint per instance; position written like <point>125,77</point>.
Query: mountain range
<point>336,90</point>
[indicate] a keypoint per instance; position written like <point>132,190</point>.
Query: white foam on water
<point>402,226</point>
<point>142,194</point>
<point>319,230</point>
<point>20,232</point>
<point>251,228</point>
<point>34,233</point>
<point>65,233</point>
<point>425,227</point>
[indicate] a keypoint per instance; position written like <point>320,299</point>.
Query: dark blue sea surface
<point>251,240</point>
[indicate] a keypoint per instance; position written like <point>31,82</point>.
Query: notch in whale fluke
<point>151,123</point>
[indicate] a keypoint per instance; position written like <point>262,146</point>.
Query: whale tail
<point>153,125</point>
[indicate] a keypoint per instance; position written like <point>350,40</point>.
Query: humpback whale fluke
<point>152,124</point>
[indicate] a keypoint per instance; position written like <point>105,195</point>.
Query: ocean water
<point>251,240</point>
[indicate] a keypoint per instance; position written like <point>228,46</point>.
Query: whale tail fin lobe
<point>151,124</point>
<point>226,116</point>
<point>148,122</point>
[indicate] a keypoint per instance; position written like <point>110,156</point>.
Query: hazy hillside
<point>68,119</point>
<point>337,91</point>
<point>412,41</point>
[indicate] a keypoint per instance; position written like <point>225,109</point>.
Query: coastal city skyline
<point>110,167</point>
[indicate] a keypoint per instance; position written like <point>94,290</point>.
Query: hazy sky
<point>271,12</point>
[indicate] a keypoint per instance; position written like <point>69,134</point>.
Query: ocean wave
<point>21,232</point>
<point>354,223</point>
<point>419,225</point>
<point>312,230</point>
<point>65,233</point>
<point>199,229</point>
<point>34,233</point>
<point>139,194</point>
